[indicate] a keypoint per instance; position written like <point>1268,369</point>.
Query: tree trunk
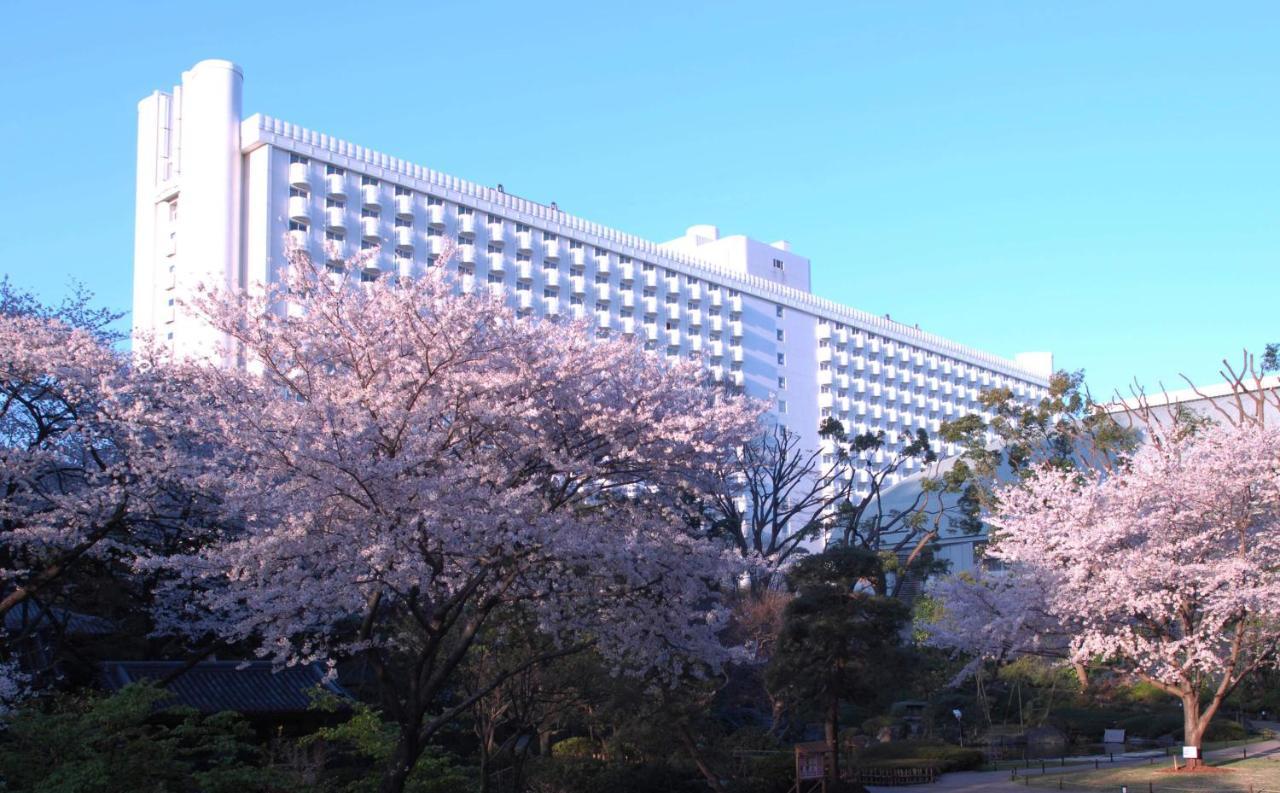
<point>403,760</point>
<point>1193,728</point>
<point>833,736</point>
<point>691,746</point>
<point>1082,675</point>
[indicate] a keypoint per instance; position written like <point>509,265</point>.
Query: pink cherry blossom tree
<point>414,461</point>
<point>1166,568</point>
<point>97,457</point>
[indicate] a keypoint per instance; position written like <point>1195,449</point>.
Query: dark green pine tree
<point>839,641</point>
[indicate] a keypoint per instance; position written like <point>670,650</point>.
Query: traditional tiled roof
<point>29,617</point>
<point>251,687</point>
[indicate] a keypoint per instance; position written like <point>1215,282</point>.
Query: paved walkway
<point>999,781</point>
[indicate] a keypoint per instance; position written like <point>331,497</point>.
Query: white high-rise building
<point>218,194</point>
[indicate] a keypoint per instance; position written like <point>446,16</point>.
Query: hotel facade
<point>221,195</point>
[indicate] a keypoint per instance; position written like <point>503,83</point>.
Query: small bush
<point>942,756</point>
<point>578,748</point>
<point>1225,731</point>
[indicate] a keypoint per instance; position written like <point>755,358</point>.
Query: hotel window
<point>548,236</point>
<point>601,252</point>
<point>782,406</point>
<point>782,359</point>
<point>404,223</point>
<point>521,228</point>
<point>524,286</point>
<point>781,335</point>
<point>298,158</point>
<point>627,260</point>
<point>782,382</point>
<point>602,278</point>
<point>335,203</point>
<point>575,245</point>
<point>465,211</point>
<point>333,170</point>
<point>523,257</point>
<point>575,300</point>
<point>173,211</point>
<point>403,191</point>
<point>367,180</point>
<point>369,212</point>
<point>297,192</point>
<point>777,264</point>
<point>548,291</point>
<point>366,245</point>
<point>779,311</point>
<point>495,248</point>
<point>495,278</point>
<point>334,236</point>
<point>577,271</point>
<point>369,275</point>
<point>432,201</point>
<point>297,225</point>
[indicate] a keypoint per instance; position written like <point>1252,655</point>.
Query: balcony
<point>650,305</point>
<point>298,209</point>
<point>524,299</point>
<point>404,237</point>
<point>404,206</point>
<point>335,217</point>
<point>694,292</point>
<point>524,271</point>
<point>603,319</point>
<point>716,297</point>
<point>602,292</point>
<point>736,354</point>
<point>524,241</point>
<point>578,284</point>
<point>673,338</point>
<point>626,272</point>
<point>435,245</point>
<point>496,289</point>
<point>717,323</point>
<point>497,233</point>
<point>467,254</point>
<point>716,349</point>
<point>299,174</point>
<point>695,318</point>
<point>627,325</point>
<point>435,215</point>
<point>603,265</point>
<point>650,278</point>
<point>737,378</point>
<point>371,195</point>
<point>628,299</point>
<point>404,266</point>
<point>735,304</point>
<point>651,332</point>
<point>497,264</point>
<point>335,184</point>
<point>298,237</point>
<point>467,224</point>
<point>673,311</point>
<point>551,249</point>
<point>735,330</point>
<point>551,306</point>
<point>577,312</point>
<point>369,228</point>
<point>717,373</point>
<point>551,277</point>
<point>579,255</point>
<point>695,343</point>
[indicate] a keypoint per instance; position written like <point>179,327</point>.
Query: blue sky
<point>1095,178</point>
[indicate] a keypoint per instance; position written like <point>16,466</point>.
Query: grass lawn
<point>1254,775</point>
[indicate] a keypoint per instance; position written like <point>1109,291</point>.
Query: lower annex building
<point>219,194</point>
